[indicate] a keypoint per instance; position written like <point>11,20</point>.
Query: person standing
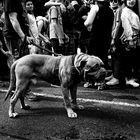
<point>33,28</point>
<point>56,33</point>
<point>99,22</point>
<point>116,49</point>
<point>130,40</point>
<point>84,38</point>
<point>16,32</point>
<point>15,29</point>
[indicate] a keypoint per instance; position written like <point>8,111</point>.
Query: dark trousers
<point>55,45</point>
<point>117,63</point>
<point>132,64</point>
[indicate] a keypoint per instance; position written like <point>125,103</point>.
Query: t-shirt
<point>56,29</point>
<point>14,6</point>
<point>33,25</point>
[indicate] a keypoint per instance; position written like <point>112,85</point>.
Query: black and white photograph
<point>69,69</point>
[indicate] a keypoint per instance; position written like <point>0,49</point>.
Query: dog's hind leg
<point>73,92</point>
<point>20,88</point>
<point>70,112</point>
<point>23,105</point>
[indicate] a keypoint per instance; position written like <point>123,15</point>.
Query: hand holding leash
<point>29,40</point>
<point>131,45</point>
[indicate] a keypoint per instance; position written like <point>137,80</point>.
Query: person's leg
<point>115,66</point>
<point>55,44</point>
<point>136,64</point>
<point>130,69</point>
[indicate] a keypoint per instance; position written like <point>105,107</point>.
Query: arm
<point>126,25</point>
<point>91,15</point>
<point>17,28</point>
<point>50,3</point>
<point>16,25</point>
<point>40,25</point>
<point>117,25</point>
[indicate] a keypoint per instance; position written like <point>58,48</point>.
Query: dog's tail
<point>12,81</point>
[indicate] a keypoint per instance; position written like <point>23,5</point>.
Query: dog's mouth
<point>97,77</point>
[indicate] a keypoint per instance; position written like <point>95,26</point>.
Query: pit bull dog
<point>67,71</point>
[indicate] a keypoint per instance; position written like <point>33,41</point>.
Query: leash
<point>45,49</point>
<point>43,39</point>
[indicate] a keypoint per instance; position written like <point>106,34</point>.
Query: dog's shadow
<point>87,113</point>
<point>46,111</point>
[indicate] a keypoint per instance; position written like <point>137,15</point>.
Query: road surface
<point>110,114</point>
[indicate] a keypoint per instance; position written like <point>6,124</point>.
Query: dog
<point>67,71</point>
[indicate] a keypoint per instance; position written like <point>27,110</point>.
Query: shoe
<point>31,96</point>
<point>113,82</point>
<point>87,84</point>
<point>109,78</point>
<point>56,86</point>
<point>132,83</point>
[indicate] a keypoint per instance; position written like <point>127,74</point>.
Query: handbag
<point>135,42</point>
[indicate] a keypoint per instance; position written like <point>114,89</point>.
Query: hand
<point>112,46</point>
<point>112,42</point>
<point>63,8</point>
<point>131,45</point>
<point>66,38</point>
<point>29,40</point>
<point>70,7</point>
<point>131,42</point>
<point>89,28</point>
<point>84,17</point>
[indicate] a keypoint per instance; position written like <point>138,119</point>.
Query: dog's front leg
<point>70,112</point>
<point>73,92</point>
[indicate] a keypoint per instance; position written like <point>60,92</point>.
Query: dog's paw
<point>26,107</point>
<point>75,106</point>
<point>71,113</point>
<point>13,115</point>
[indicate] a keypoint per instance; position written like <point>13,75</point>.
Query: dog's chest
<point>51,73</point>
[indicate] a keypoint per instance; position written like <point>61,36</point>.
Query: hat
<point>74,2</point>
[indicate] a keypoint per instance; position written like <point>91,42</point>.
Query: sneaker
<point>113,82</point>
<point>31,96</point>
<point>56,86</point>
<point>109,78</point>
<point>132,83</point>
<point>87,84</point>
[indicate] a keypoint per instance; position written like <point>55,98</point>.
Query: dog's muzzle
<point>95,76</point>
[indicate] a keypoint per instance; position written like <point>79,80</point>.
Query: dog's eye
<point>94,68</point>
<point>87,68</point>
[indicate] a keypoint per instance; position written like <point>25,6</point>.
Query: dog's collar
<point>73,66</point>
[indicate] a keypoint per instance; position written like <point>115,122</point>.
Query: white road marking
<point>89,100</point>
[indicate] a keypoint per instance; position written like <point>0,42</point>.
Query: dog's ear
<point>98,60</point>
<point>80,60</point>
<point>80,65</point>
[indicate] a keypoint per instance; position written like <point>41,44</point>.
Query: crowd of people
<point>96,27</point>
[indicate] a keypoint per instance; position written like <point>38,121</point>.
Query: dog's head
<point>91,67</point>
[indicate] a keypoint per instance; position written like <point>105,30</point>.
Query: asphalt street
<point>109,114</point>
